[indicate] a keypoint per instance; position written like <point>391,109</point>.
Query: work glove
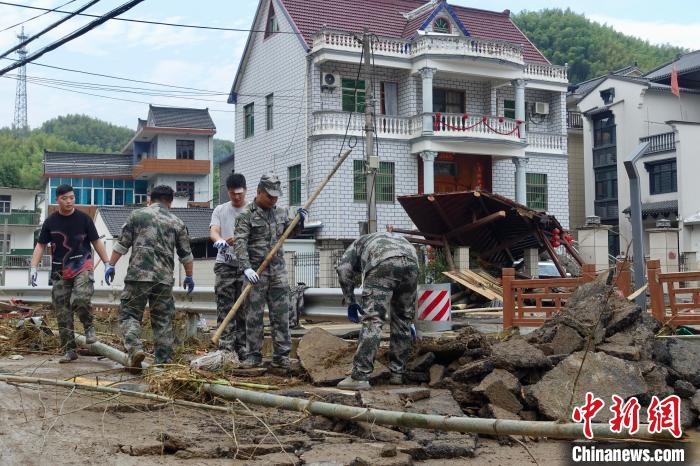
<point>188,283</point>
<point>251,275</point>
<point>109,274</point>
<point>303,213</point>
<point>221,244</point>
<point>33,276</point>
<point>354,311</point>
<point>413,333</point>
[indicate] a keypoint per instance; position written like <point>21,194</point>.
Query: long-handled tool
<point>246,291</point>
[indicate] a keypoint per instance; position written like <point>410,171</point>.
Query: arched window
<point>441,25</point>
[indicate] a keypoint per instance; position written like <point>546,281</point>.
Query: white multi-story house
<point>300,94</point>
<point>173,146</point>
<point>619,113</point>
<point>20,217</point>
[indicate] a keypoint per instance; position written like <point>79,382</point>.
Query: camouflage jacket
<point>257,231</point>
<point>153,233</point>
<point>365,253</point>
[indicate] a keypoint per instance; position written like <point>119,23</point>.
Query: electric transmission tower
<point>20,121</point>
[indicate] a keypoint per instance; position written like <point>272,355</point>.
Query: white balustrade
<point>386,126</point>
<point>456,125</point>
<point>545,142</point>
<point>542,71</point>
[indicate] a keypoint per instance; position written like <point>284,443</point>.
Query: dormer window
<point>441,25</point>
<point>608,95</point>
<point>271,26</point>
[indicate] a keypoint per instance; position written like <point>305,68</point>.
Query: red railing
<point>683,295</point>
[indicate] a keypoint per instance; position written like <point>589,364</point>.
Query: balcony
<point>457,125</point>
<point>388,127</point>
<point>20,217</point>
<point>24,262</point>
<point>664,142</point>
<point>442,46</point>
<point>574,120</point>
<point>545,143</point>
<point>148,167</point>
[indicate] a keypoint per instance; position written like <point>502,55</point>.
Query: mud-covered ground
<point>48,425</point>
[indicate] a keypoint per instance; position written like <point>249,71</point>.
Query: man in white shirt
<point>229,277</point>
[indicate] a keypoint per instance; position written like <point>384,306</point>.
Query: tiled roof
<point>384,18</point>
<point>657,208</point>
<point>582,89</point>
<point>196,219</point>
<point>685,64</point>
<point>173,117</point>
<point>79,163</point>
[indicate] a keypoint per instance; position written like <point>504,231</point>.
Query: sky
<point>208,60</point>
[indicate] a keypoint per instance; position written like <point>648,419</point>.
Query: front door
<point>462,172</point>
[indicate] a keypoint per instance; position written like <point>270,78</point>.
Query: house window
<point>294,176</point>
<point>353,95</point>
<point>608,95</point>
<point>5,204</point>
<point>249,117</point>
<point>509,108</point>
<point>536,186</point>
<point>185,187</point>
<point>604,130</point>
<point>385,182</point>
<point>662,176</point>
<point>447,101</point>
<point>271,26</point>
<point>5,243</point>
<point>268,112</point>
<point>359,181</point>
<point>184,149</point>
<point>441,25</point>
<point>388,98</point>
<point>445,168</point>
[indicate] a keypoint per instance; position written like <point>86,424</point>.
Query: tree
<point>88,131</point>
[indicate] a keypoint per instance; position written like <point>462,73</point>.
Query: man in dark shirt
<point>70,233</point>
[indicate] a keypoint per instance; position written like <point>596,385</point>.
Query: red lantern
<point>518,122</point>
<point>501,119</point>
<point>484,119</point>
<point>555,239</point>
<point>465,117</point>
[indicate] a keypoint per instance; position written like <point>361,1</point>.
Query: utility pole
<point>5,250</point>
<point>19,124</point>
<point>371,160</point>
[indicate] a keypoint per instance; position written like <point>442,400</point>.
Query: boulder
<point>685,360</point>
<point>473,370</point>
<point>695,402</point>
<point>437,374</point>
<point>656,378</point>
<point>516,353</point>
<point>497,412</point>
<point>566,340</point>
<point>629,353</point>
<point>422,363</point>
<point>683,388</point>
<point>500,387</point>
<point>601,374</point>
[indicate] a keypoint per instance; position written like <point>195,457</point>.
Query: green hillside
<point>590,49</point>
<point>21,156</point>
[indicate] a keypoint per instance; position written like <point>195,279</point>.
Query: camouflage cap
<point>271,184</point>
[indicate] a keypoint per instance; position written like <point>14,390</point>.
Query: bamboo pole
<point>547,429</point>
<point>246,291</point>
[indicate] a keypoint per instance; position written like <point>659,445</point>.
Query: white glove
<point>251,275</point>
<point>221,244</point>
<point>33,275</point>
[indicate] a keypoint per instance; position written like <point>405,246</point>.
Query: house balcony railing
<point>171,166</point>
<point>664,142</point>
<point>20,217</point>
<point>392,127</point>
<point>574,120</point>
<point>24,262</point>
<point>485,127</point>
<point>545,142</point>
<point>441,45</point>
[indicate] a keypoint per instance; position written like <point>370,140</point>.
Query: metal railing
<point>664,142</point>
<point>574,120</point>
<point>20,217</point>
<point>24,262</point>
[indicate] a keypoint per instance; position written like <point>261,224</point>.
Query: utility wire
<point>37,16</point>
<point>49,28</point>
<point>77,33</point>
<point>158,23</point>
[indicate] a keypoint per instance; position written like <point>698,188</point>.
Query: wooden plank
<point>475,285</point>
<point>477,224</point>
<point>679,276</point>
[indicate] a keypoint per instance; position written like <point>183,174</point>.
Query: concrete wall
<point>225,169</point>
<point>167,144</point>
<point>688,167</point>
<point>577,191</point>
<point>202,184</point>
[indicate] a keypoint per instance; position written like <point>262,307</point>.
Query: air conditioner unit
<point>330,80</point>
<point>541,108</point>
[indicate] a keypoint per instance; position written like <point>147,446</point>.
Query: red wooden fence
<point>683,300</point>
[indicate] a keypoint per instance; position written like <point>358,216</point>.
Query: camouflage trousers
<point>389,293</point>
<point>227,287</point>
<point>69,296</point>
<point>159,298</point>
<point>272,289</point>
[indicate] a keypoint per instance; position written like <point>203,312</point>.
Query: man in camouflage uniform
<point>389,267</point>
<point>152,233</point>
<point>229,276</point>
<point>258,228</point>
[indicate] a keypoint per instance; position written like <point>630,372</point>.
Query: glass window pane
<point>97,182</point>
<point>55,181</point>
<point>86,196</point>
<point>141,186</point>
<point>118,183</point>
<point>129,198</point>
<point>118,197</point>
<point>53,195</point>
<point>108,197</point>
<point>128,183</point>
<point>98,197</point>
<point>109,183</point>
<point>359,190</point>
<point>76,182</point>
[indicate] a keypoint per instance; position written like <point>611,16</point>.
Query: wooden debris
<point>480,283</point>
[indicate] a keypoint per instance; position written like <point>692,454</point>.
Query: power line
<point>77,33</point>
<point>48,28</point>
<point>158,23</point>
<point>37,16</point>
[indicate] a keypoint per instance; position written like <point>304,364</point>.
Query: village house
<point>620,112</point>
<point>463,101</point>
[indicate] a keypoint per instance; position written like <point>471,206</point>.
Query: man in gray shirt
<point>229,276</point>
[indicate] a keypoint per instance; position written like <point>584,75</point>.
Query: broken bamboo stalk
<point>273,252</point>
<point>549,429</point>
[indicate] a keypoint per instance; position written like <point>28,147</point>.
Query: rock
<point>456,446</point>
<point>625,313</point>
<point>566,340</point>
<point>354,454</point>
<point>379,433</point>
<point>437,373</point>
<point>688,417</point>
<point>388,451</point>
<point>684,389</point>
<point>448,349</point>
<point>516,353</point>
<point>411,448</point>
<point>685,360</point>
<point>473,370</point>
<point>440,402</point>
<point>629,353</point>
<point>417,377</point>
<point>555,359</point>
<point>412,393</point>
<point>422,363</point>
<point>328,359</point>
<point>500,413</point>
<point>275,459</point>
<point>527,415</point>
<point>603,374</point>
<point>656,378</point>
<point>499,387</point>
<point>695,402</point>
